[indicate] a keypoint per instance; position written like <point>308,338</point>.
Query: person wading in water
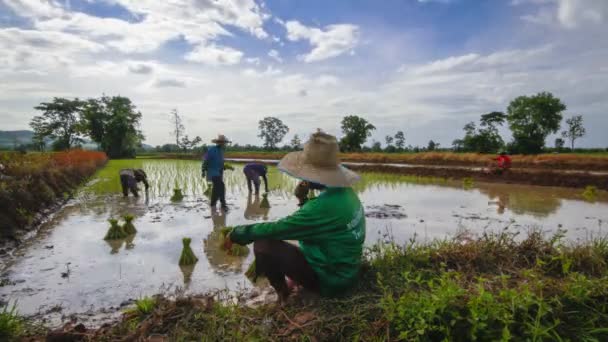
<point>330,228</point>
<point>129,179</point>
<point>213,170</point>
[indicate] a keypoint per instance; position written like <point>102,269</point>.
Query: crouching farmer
<point>330,228</point>
<point>253,172</point>
<point>129,179</point>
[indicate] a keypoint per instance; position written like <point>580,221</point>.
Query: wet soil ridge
<point>31,185</point>
<point>486,287</point>
<point>531,177</point>
<point>582,162</point>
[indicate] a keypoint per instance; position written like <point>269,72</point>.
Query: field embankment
<point>31,183</point>
<point>580,162</point>
<point>489,288</point>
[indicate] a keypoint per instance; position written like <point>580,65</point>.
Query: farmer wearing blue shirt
<point>213,169</point>
<point>253,172</point>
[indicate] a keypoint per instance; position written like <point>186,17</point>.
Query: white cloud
<point>269,71</point>
<point>274,54</point>
<point>329,42</point>
<point>215,55</point>
<point>567,13</point>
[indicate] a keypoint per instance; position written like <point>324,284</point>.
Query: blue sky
<point>426,67</point>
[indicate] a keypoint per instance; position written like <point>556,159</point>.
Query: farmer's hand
<point>227,242</point>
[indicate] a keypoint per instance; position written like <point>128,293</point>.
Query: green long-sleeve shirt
<point>331,231</point>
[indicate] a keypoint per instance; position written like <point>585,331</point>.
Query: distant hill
<point>12,138</point>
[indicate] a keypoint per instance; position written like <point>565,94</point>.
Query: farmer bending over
<point>129,179</point>
<point>253,172</point>
<point>213,169</point>
<point>330,228</point>
<point>503,163</point>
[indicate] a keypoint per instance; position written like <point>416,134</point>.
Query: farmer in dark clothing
<point>213,169</point>
<point>330,228</point>
<point>129,179</point>
<point>253,172</point>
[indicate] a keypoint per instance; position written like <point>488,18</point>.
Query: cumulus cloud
<point>141,68</point>
<point>215,55</point>
<point>329,42</point>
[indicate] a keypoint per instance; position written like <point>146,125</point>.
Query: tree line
<point>113,123</point>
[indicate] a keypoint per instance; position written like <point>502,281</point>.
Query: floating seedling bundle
<point>264,203</point>
<point>128,226</point>
<point>235,249</point>
<point>177,195</point>
<point>187,257</point>
<point>115,232</point>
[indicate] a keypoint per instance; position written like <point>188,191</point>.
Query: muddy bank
<point>571,162</point>
<point>530,177</point>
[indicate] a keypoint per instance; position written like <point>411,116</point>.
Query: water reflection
<point>539,203</point>
<point>253,210</point>
<point>187,271</point>
<point>218,258</point>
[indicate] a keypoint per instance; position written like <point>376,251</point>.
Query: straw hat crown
<point>220,139</point>
<point>319,162</point>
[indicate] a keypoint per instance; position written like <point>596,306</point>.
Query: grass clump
<point>128,226</point>
<point>590,193</point>
<point>116,231</point>
<point>177,195</point>
<point>143,306</point>
<point>467,182</point>
<point>11,324</point>
<point>187,257</point>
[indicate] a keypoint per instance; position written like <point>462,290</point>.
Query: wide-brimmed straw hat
<point>319,163</point>
<point>221,139</point>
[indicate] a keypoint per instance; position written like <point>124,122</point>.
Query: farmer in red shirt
<point>503,163</point>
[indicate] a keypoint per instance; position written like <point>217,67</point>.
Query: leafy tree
<point>177,126</point>
<point>187,144</point>
<point>532,119</point>
<point>575,129</point>
<point>559,144</point>
<point>485,139</point>
<point>113,123</point>
<point>376,146</point>
<point>272,131</point>
<point>400,140</point>
<point>432,146</point>
<point>356,130</point>
<point>295,142</point>
<point>60,121</point>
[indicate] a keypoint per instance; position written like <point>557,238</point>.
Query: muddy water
<point>69,265</point>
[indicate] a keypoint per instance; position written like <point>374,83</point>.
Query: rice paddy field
<point>69,267</point>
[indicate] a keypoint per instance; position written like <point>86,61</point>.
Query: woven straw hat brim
<point>296,165</point>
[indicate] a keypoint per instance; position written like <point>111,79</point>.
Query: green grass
<point>11,324</point>
<point>143,306</point>
<point>487,288</point>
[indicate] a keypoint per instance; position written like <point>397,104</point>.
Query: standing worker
<point>129,179</point>
<point>253,172</point>
<point>330,228</point>
<point>213,169</point>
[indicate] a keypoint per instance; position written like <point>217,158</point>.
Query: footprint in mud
<point>387,211</point>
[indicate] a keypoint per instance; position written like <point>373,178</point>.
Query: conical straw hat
<point>319,163</point>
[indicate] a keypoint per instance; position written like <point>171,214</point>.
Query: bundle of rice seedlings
<point>208,190</point>
<point>251,273</point>
<point>115,232</point>
<point>590,193</point>
<point>467,182</point>
<point>128,226</point>
<point>187,257</point>
<point>177,195</point>
<point>264,203</point>
<point>236,249</point>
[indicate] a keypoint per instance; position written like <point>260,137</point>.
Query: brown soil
<point>532,177</point>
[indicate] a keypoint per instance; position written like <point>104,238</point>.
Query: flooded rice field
<point>69,265</point>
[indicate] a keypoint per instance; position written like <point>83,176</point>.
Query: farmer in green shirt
<point>330,228</point>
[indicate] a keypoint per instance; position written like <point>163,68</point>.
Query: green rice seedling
<point>187,257</point>
<point>115,232</point>
<point>207,191</point>
<point>467,182</point>
<point>264,203</point>
<point>128,226</point>
<point>177,195</point>
<point>590,193</point>
<point>11,325</point>
<point>251,272</point>
<point>235,249</point>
